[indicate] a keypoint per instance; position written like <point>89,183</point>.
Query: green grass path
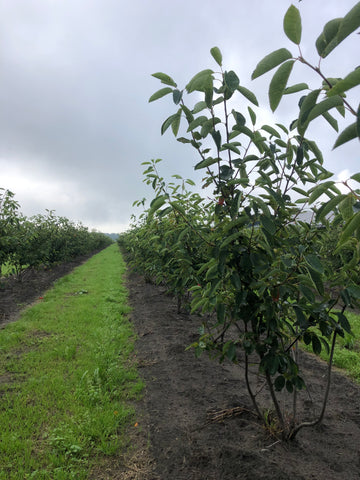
<point>66,377</point>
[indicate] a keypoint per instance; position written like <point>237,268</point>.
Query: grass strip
<point>66,379</point>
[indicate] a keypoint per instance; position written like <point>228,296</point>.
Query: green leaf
<point>217,138</point>
<point>177,96</point>
<point>292,24</point>
<point>327,41</point>
<point>330,119</point>
<point>216,54</point>
<point>354,291</point>
<point>329,207</point>
<point>164,79</point>
<point>201,81</point>
<point>350,81</point>
<point>314,263</point>
<point>197,123</point>
<point>278,83</point>
<point>279,383</point>
<point>351,225</point>
<point>268,224</point>
<point>184,140</point>
<point>176,122</point>
<point>346,135</point>
<point>230,146</point>
<point>248,94</point>
<point>252,115</point>
<point>358,122</point>
<point>317,280</point>
<point>306,105</point>
<point>168,122</point>
<point>206,163</point>
<point>199,106</point>
<point>316,151</point>
<point>350,23</point>
<point>323,106</point>
<point>296,88</point>
<point>160,93</point>
<point>356,177</point>
<point>271,130</point>
<point>319,190</point>
<point>231,80</point>
<point>271,61</point>
<point>316,344</point>
<point>239,118</point>
<point>346,207</point>
<point>344,322</point>
<point>157,203</point>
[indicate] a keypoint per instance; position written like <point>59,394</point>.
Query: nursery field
<point>193,420</point>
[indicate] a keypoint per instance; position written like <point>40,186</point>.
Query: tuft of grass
<point>66,376</point>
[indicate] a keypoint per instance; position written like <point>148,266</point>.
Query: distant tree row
<point>41,240</point>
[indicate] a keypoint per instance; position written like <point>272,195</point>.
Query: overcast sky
<point>75,79</point>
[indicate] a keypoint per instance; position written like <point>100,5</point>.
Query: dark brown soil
<point>180,436</point>
<point>182,393</point>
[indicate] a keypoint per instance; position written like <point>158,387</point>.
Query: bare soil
<point>195,420</point>
<point>197,414</point>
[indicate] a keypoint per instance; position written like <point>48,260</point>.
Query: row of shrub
<point>41,240</point>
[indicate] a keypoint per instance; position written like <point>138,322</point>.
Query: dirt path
<point>181,392</point>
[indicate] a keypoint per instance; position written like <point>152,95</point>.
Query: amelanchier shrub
<point>255,257</point>
<point>41,240</point>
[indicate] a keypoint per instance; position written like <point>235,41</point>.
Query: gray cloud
<point>75,123</point>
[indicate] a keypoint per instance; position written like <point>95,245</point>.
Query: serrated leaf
<point>160,93</point>
<point>349,23</point>
<point>314,263</point>
<point>298,87</point>
<point>216,54</point>
<point>164,79</point>
<point>278,84</point>
<point>292,24</point>
<point>271,61</point>
<point>350,81</point>
<point>346,135</point>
